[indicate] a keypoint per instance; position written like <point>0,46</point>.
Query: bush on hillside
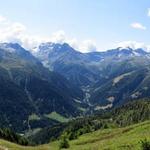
<point>64,143</point>
<point>145,144</point>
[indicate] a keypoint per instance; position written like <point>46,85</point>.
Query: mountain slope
<point>118,138</point>
<point>117,91</point>
<point>28,88</point>
<point>70,63</point>
<point>114,139</point>
<point>128,114</point>
<point>107,78</point>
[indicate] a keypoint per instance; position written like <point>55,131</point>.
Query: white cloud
<point>2,19</point>
<point>133,45</point>
<point>83,46</point>
<point>58,36</point>
<point>138,25</point>
<point>12,32</point>
<point>17,32</point>
<point>148,13</point>
<point>88,46</point>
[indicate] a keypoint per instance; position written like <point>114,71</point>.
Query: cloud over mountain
<point>17,32</point>
<point>133,45</point>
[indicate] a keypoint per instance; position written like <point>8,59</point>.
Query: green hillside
<point>128,114</point>
<point>127,138</point>
<point>29,92</point>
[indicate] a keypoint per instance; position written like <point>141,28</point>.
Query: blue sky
<point>103,22</point>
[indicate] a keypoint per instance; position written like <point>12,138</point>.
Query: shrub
<point>64,143</point>
<point>73,136</point>
<point>145,144</point>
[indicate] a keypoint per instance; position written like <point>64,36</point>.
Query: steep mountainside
<point>28,89</point>
<point>107,78</point>
<point>81,82</point>
<point>127,86</point>
<point>74,65</point>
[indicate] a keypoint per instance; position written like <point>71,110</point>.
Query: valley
<point>75,94</point>
<point>69,84</point>
<point>74,75</point>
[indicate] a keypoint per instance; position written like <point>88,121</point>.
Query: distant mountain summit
<point>107,78</point>
<point>127,52</point>
<point>83,68</point>
<point>65,60</point>
<point>51,50</point>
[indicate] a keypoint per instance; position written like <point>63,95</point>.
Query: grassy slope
<point>108,139</point>
<point>113,139</point>
<point>56,116</point>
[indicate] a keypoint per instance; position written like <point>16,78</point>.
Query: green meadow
<point>127,138</point>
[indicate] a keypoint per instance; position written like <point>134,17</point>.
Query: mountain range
<point>107,78</point>
<point>29,89</point>
<point>55,79</point>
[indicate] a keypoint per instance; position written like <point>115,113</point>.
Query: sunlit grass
<point>56,116</point>
<point>127,138</point>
